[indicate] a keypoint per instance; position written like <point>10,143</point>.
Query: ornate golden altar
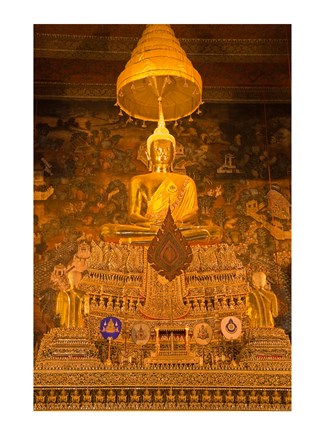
<point>159,313</point>
<point>172,368</point>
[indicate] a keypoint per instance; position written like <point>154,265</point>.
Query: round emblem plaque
<point>110,327</point>
<point>140,333</point>
<point>231,327</point>
<point>202,333</point>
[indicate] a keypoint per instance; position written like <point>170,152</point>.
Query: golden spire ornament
<point>161,132</point>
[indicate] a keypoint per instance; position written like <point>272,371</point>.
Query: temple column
<point>157,342</point>
<point>72,317</point>
<point>187,339</point>
<point>172,342</point>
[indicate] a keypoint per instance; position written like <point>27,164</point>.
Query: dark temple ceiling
<point>237,63</point>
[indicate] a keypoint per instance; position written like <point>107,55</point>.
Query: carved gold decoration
<point>169,253</point>
<point>97,47</point>
<point>163,299</point>
<point>163,398</point>
<point>268,345</point>
<point>141,333</point>
<point>58,90</point>
<point>68,345</point>
<point>202,333</point>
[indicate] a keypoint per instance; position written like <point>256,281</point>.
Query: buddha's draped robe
<point>262,307</point>
<point>176,191</point>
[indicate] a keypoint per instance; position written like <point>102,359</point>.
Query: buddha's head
<point>259,280</point>
<point>161,147</point>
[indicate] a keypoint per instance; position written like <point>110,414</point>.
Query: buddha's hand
<point>156,222</point>
<point>144,224</point>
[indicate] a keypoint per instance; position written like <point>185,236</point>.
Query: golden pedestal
<point>168,367</point>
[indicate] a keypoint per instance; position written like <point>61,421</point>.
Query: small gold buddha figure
<point>51,398</point>
<point>229,397</point>
<point>276,398</point>
<point>194,398</point>
<point>63,397</point>
<point>287,398</point>
<point>170,396</point>
<point>110,304</point>
<point>75,397</point>
<point>218,397</point>
<point>253,398</point>
<point>111,397</point>
<point>87,396</point>
<point>122,396</point>
<point>147,396</point>
<point>158,396</point>
<point>224,304</point>
<point>100,397</point>
<point>151,195</point>
<point>182,396</point>
<point>206,397</point>
<point>134,396</point>
<point>210,306</point>
<point>264,398</point>
<point>241,398</point>
<point>262,304</point>
<point>40,397</point>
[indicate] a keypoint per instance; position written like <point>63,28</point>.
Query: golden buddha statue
<point>69,302</point>
<point>262,304</point>
<point>152,194</point>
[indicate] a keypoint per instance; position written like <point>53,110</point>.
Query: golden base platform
<point>171,353</point>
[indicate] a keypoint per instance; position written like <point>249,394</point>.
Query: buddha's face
<point>162,152</point>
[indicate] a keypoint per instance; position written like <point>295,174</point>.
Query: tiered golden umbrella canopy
<point>159,73</point>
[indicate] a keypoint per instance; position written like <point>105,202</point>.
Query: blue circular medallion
<point>110,327</point>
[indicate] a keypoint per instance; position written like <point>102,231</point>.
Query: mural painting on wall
<point>86,153</point>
